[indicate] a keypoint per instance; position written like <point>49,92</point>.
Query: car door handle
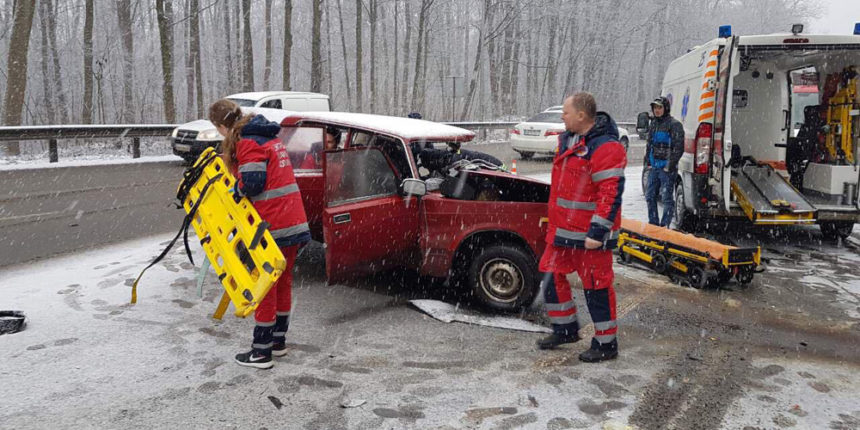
<point>342,218</point>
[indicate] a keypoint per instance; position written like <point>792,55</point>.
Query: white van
<point>190,139</point>
<point>752,155</point>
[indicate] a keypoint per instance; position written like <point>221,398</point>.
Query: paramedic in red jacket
<point>584,220</point>
<point>257,157</point>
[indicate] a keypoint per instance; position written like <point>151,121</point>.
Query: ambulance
<point>749,152</point>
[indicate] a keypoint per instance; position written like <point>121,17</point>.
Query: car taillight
<point>515,131</point>
<point>553,132</point>
<point>704,137</point>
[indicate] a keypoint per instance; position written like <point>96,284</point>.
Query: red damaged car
<point>375,207</point>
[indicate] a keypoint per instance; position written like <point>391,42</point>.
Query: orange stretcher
<point>698,262</point>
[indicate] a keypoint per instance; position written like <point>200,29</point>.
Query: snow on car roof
<point>261,94</point>
<point>407,128</point>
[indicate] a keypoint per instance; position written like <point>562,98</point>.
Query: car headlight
<point>175,132</point>
<point>209,135</point>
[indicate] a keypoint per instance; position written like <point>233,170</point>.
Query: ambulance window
<point>304,146</point>
<point>358,174</point>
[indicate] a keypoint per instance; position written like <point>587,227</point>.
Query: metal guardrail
<point>53,133</point>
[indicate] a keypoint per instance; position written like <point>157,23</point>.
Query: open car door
<point>721,174</point>
<point>367,224</point>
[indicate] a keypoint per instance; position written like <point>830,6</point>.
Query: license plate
<point>182,147</point>
<point>531,132</point>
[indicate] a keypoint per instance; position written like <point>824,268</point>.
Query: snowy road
<point>782,353</point>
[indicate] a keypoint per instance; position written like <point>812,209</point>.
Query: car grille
<point>186,137</point>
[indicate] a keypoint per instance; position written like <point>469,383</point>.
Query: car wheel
<point>503,278</point>
<point>626,142</point>
<point>525,155</point>
<point>684,220</point>
<point>833,230</point>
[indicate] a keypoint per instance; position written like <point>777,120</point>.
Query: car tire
<point>626,142</point>
<point>525,155</point>
<point>646,171</point>
<point>684,220</point>
<point>503,278</point>
<point>833,230</point>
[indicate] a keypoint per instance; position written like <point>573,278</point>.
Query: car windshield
<point>546,117</point>
<point>244,102</point>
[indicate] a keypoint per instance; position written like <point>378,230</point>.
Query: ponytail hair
<point>228,114</point>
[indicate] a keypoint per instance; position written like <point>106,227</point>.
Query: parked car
<point>190,139</point>
<point>374,207</point>
<point>539,134</point>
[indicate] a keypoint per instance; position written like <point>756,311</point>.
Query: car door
<point>722,146</point>
<point>367,224</point>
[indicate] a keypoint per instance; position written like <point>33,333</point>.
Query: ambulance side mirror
<point>413,187</point>
<point>642,121</point>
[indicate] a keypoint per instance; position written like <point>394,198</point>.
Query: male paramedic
<point>584,220</point>
<point>664,150</point>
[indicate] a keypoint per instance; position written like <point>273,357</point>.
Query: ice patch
<point>448,313</point>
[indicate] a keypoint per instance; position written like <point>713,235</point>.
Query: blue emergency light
<point>857,28</point>
<point>725,31</point>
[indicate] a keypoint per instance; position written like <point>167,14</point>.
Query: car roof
<point>406,128</point>
<point>258,95</point>
<point>554,108</point>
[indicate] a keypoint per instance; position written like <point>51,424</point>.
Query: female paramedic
<point>254,154</point>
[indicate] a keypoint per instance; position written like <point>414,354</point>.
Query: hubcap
<point>501,280</point>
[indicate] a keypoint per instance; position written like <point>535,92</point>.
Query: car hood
<point>198,126</point>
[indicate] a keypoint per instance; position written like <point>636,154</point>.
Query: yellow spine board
<point>226,230</point>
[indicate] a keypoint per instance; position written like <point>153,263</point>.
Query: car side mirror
<point>642,122</point>
<point>413,187</point>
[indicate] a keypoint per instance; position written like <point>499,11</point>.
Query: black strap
<point>186,222</point>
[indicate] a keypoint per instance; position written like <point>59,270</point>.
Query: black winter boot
<point>599,352</point>
<point>555,339</point>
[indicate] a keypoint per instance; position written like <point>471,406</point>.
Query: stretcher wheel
<point>625,257</point>
<point>745,275</point>
<point>659,263</point>
<point>698,278</point>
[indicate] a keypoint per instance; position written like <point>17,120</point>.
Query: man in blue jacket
<point>665,148</point>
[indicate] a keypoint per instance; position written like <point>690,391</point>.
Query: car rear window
<point>244,102</point>
<point>546,117</point>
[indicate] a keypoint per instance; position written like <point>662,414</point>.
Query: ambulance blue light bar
<point>857,28</point>
<point>725,31</point>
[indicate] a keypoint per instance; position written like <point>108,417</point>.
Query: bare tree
<point>288,41</point>
<point>316,60</point>
<point>228,50</point>
<point>247,48</point>
<point>44,10</point>
<point>123,13</point>
<point>16,67</point>
<point>359,101</point>
<point>195,54</point>
<point>87,105</point>
<point>407,22</point>
<point>267,22</point>
<point>373,55</point>
<point>345,58</point>
<point>165,32</point>
<point>418,103</point>
<point>55,56</point>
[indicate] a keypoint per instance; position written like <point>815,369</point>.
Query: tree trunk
<point>198,69</point>
<point>44,10</point>
<point>267,68</point>
<point>247,48</point>
<point>345,58</point>
<point>373,56</point>
<point>165,31</point>
<point>123,14</point>
<point>16,67</point>
<point>473,83</point>
<point>328,65</point>
<point>58,82</point>
<point>396,95</point>
<point>87,105</point>
<point>407,22</point>
<point>359,103</point>
<point>316,60</point>
<point>189,64</point>
<point>288,42</point>
<point>417,95</point>
<point>228,50</point>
